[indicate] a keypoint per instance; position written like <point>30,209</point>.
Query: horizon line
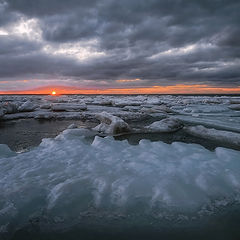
<point>170,89</point>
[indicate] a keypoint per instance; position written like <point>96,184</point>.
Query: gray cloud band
<point>161,42</point>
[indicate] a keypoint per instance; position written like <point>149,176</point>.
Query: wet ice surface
<point>154,182</point>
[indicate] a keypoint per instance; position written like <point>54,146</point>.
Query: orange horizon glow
<point>175,89</point>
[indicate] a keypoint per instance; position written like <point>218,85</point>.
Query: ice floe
<point>70,107</point>
<point>156,109</point>
<point>111,124</point>
<point>235,107</point>
<point>72,126</point>
<point>214,134</point>
<point>229,123</point>
<point>165,125</point>
<point>126,107</point>
<point>27,106</point>
<point>10,107</point>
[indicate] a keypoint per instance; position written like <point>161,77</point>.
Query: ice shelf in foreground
<point>67,177</point>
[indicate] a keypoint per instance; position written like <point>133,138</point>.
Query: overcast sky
<point>119,43</point>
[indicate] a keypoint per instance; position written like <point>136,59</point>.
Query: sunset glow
<point>175,89</point>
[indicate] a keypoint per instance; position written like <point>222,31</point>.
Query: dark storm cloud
<point>19,58</point>
<point>5,15</point>
<point>17,47</point>
<point>130,33</point>
<point>230,37</point>
<point>41,8</point>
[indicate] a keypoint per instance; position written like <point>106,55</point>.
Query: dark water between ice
<point>21,135</point>
<point>24,134</point>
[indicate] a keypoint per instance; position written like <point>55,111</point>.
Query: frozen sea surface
<point>26,120</point>
<point>175,174</point>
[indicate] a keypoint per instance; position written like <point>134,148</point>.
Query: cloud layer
<point>100,43</point>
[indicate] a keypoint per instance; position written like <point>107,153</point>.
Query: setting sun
<point>53,93</point>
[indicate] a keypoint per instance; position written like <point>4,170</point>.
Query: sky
<point>113,46</point>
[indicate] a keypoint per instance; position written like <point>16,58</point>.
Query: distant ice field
<point>26,120</point>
